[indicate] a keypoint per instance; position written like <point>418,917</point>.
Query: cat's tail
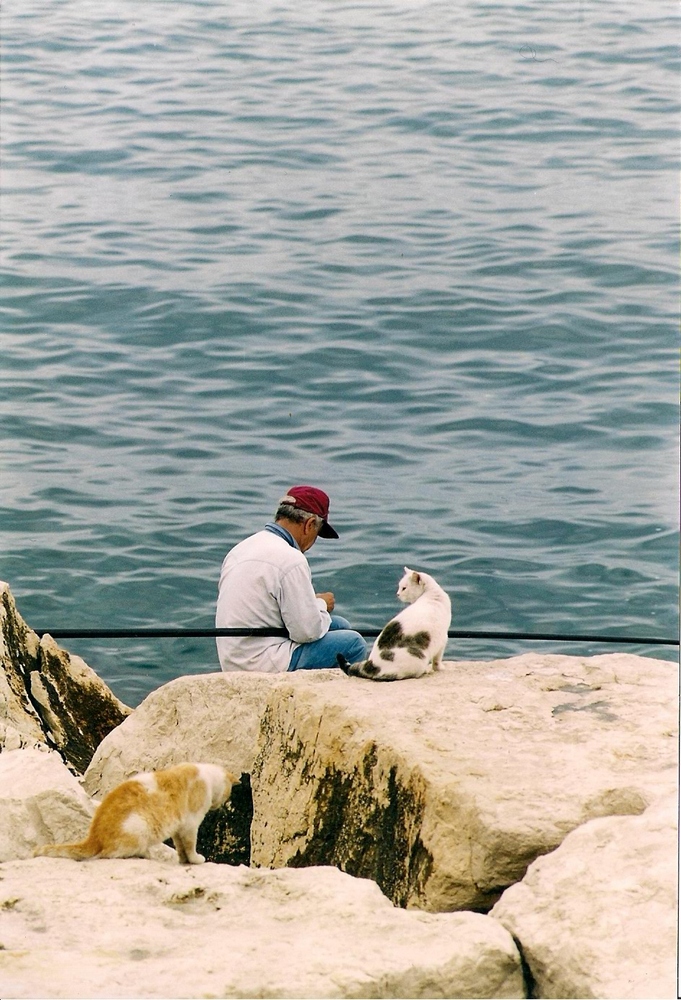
<point>345,665</point>
<point>364,668</point>
<point>77,852</point>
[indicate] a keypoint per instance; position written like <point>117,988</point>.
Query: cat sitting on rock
<point>148,809</point>
<point>413,642</point>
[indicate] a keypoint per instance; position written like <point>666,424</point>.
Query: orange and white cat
<point>150,808</point>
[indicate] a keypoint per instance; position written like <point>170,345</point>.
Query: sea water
<point>420,254</point>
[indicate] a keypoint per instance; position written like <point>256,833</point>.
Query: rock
<point>144,928</point>
<point>76,706</point>
<point>598,916</point>
<point>209,717</point>
<point>48,696</point>
<point>40,803</point>
<point>445,788</point>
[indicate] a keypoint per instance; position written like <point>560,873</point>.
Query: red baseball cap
<point>313,500</point>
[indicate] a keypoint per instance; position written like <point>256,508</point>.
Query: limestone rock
<point>445,788</point>
<point>40,803</point>
<point>597,917</point>
<point>48,696</point>
<point>209,717</point>
<point>143,928</point>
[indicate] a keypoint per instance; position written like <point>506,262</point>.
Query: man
<point>266,582</point>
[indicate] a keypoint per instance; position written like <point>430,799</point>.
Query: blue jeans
<point>321,654</point>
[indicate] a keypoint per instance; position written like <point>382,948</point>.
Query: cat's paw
<point>196,859</point>
<point>162,852</point>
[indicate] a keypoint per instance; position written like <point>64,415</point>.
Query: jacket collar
<point>277,529</point>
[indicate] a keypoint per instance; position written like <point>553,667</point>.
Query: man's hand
<point>330,601</point>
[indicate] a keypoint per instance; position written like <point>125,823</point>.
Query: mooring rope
<point>369,633</point>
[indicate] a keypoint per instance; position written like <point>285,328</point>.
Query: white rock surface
<point>445,788</point>
<point>210,717</point>
<point>598,916</point>
<point>40,803</point>
<point>147,929</point>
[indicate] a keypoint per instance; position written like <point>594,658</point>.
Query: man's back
<point>266,582</point>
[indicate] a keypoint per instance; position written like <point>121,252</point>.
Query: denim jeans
<point>321,653</point>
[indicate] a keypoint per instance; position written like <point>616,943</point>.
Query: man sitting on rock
<point>266,582</point>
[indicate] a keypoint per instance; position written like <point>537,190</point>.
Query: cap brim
<point>327,531</point>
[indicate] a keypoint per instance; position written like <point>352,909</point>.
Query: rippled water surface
<point>423,255</point>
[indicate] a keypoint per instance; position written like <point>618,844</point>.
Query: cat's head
<point>220,782</point>
<point>230,780</point>
<point>410,586</point>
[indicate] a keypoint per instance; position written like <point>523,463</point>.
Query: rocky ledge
<point>543,784</point>
<point>444,789</point>
<point>152,929</point>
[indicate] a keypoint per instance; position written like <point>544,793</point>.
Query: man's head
<point>306,509</point>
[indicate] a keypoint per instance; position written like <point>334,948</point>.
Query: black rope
<point>369,633</point>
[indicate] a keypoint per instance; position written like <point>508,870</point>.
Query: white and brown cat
<point>413,642</point>
<point>150,808</point>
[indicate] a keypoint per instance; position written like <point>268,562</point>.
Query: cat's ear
<point>407,570</point>
<point>415,576</point>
